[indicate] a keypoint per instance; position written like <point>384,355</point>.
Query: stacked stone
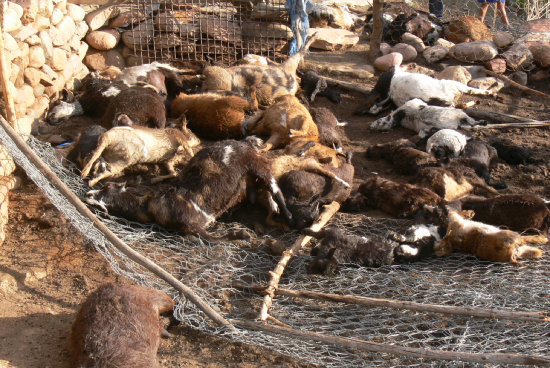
<point>44,51</point>
<point>182,31</point>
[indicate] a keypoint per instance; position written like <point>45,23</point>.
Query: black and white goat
<point>397,85</point>
<point>422,118</point>
<point>446,143</point>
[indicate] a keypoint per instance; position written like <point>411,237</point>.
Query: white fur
<point>453,140</point>
<point>111,92</point>
<point>209,218</point>
<point>422,231</point>
<point>64,110</point>
<point>408,250</point>
<point>227,151</point>
<point>421,118</point>
<point>469,225</point>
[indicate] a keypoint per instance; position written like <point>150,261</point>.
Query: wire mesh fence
<point>210,269</point>
<point>206,30</point>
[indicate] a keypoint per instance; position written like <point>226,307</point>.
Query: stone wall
<point>44,51</point>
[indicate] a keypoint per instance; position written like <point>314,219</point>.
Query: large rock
<point>76,12</point>
<point>541,53</point>
<point>99,17</point>
<point>332,39</point>
<point>100,60</point>
<point>385,62</point>
<point>435,53</point>
<point>59,59</point>
<point>180,22</point>
<point>472,52</point>
<point>127,18</point>
<point>24,96</point>
<point>455,72</point>
<point>414,41</point>
<point>445,43</point>
<point>466,29</point>
<point>141,35</point>
<point>11,21</point>
<point>103,39</point>
<point>409,53</point>
<point>517,56</point>
<point>519,77</point>
<point>503,39</point>
<point>36,57</point>
<point>81,29</point>
<point>487,83</point>
<point>497,65</point>
<point>385,48</point>
<point>8,283</point>
<point>539,25</point>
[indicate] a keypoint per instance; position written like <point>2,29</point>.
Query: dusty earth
<point>47,268</point>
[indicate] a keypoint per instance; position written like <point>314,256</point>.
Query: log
<point>498,117</point>
<point>397,304</point>
<point>510,125</point>
<point>515,84</point>
<point>4,76</point>
<point>361,345</point>
<point>328,211</point>
<point>377,29</point>
<point>109,235</point>
<point>347,85</point>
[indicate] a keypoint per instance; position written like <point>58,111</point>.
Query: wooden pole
<point>4,75</point>
<point>397,304</point>
<point>117,243</point>
<point>497,117</point>
<point>377,28</point>
<point>361,345</point>
<point>347,85</point>
<point>509,125</point>
<point>515,84</point>
<point>328,211</point>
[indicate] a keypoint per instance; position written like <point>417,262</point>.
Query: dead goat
<point>327,124</point>
<point>422,118</point>
<point>286,120</point>
<point>122,147</point>
<point>398,199</point>
<point>485,241</point>
<point>518,212</point>
<point>268,81</point>
<point>215,180</point>
<point>403,155</point>
<point>140,105</point>
<point>119,326</point>
<point>511,153</point>
<point>324,154</point>
<point>84,145</point>
<point>416,243</point>
<point>314,85</point>
<point>481,157</point>
<point>452,182</point>
<point>446,144</point>
<point>212,116</point>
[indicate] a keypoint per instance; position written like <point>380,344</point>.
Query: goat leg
<point>102,143</point>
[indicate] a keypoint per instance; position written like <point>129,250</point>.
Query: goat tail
<point>534,239</point>
<point>528,252</point>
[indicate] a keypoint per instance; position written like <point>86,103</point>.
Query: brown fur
<point>320,152</point>
<point>403,155</point>
<point>518,212</point>
<point>467,29</point>
<point>212,116</point>
<point>119,326</point>
<point>286,120</point>
<point>486,241</point>
<point>122,147</point>
<point>397,199</point>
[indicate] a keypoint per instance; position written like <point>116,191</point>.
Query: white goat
<point>446,143</point>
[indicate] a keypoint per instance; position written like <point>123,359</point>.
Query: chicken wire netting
<point>206,30</point>
<point>210,269</point>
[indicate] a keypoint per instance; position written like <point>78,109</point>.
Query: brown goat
<point>518,212</point>
<point>467,29</point>
<point>320,152</point>
<point>212,116</point>
<point>119,326</point>
<point>122,147</point>
<point>262,84</point>
<point>486,241</point>
<point>403,155</point>
<point>286,120</point>
<point>327,125</point>
<point>397,199</point>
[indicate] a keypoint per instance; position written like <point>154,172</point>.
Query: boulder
<point>180,22</point>
<point>487,83</point>
<point>443,42</point>
<point>385,48</point>
<point>414,41</point>
<point>471,52</point>
<point>409,53</point>
<point>385,62</point>
<point>59,59</point>
<point>141,35</point>
<point>455,72</point>
<point>8,283</point>
<point>100,60</point>
<point>503,39</point>
<point>519,77</point>
<point>541,53</point>
<point>435,53</point>
<point>466,29</point>
<point>127,18</point>
<point>332,39</point>
<point>12,22</point>
<point>497,65</point>
<point>76,12</point>
<point>36,57</point>
<point>103,39</point>
<point>97,18</point>
<point>517,56</point>
<point>24,96</point>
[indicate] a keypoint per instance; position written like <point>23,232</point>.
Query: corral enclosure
<point>211,269</point>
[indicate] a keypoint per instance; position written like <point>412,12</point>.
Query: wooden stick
<point>397,304</point>
<point>117,243</point>
<point>377,29</point>
<point>328,211</point>
<point>484,358</point>
<point>515,84</point>
<point>497,117</point>
<point>4,75</point>
<point>347,85</point>
<point>511,125</point>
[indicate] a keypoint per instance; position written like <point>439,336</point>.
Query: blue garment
<point>299,22</point>
<point>436,7</point>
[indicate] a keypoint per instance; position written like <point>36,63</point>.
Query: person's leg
<point>483,11</point>
<point>436,7</point>
<point>501,7</point>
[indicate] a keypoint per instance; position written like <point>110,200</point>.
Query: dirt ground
<point>47,268</point>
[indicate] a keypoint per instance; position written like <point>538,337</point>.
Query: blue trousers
<point>436,7</point>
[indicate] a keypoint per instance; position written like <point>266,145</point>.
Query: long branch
<point>515,84</point>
